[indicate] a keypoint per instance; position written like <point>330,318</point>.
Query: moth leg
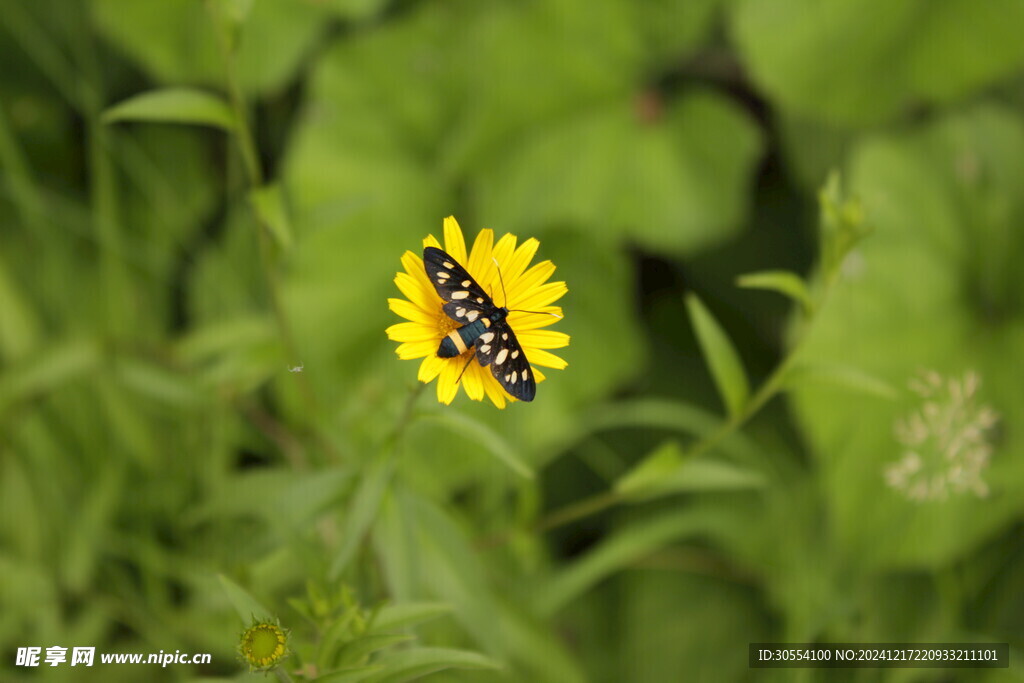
<point>464,368</point>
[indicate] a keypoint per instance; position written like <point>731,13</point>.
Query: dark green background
<point>151,437</point>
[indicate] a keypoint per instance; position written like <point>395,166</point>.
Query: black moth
<point>484,325</point>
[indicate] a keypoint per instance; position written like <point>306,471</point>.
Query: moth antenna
<point>504,296</point>
<point>519,310</point>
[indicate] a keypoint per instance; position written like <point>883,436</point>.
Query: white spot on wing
<point>467,283</point>
<point>460,295</point>
<point>515,376</point>
<point>504,335</point>
<point>525,374</point>
<point>444,275</point>
<point>479,299</point>
<point>515,354</point>
<point>449,265</point>
<point>500,358</point>
<point>460,312</point>
<point>486,337</point>
<point>486,348</point>
<point>473,315</point>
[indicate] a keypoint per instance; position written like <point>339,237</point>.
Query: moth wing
<point>466,312</point>
<point>508,363</point>
<point>453,283</point>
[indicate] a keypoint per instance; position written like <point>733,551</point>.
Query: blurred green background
<point>153,441</point>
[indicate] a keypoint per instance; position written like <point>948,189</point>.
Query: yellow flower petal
<point>538,375</point>
<point>446,386</point>
<point>412,332</point>
<point>473,381</point>
<point>520,260</point>
<point>411,311</point>
<point>542,339</point>
<point>413,265</point>
<point>496,393</point>
<point>420,349</point>
<point>532,321</point>
<point>414,292</point>
<point>480,264</point>
<point>534,277</point>
<point>454,244</point>
<point>545,359</point>
<point>430,368</point>
<point>431,241</point>
<point>538,297</point>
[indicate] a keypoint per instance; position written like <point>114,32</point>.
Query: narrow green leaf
<point>363,510</point>
<point>667,470</point>
<point>723,361</point>
<point>48,370</point>
<point>412,664</point>
<point>623,547</point>
<point>355,650</point>
<point>782,281</point>
<point>842,376</point>
<point>492,442</point>
<point>174,105</point>
<point>349,674</point>
<point>90,522</point>
<point>392,617</point>
<point>246,606</point>
<point>660,463</point>
<point>268,203</point>
<point>19,326</point>
<point>158,383</point>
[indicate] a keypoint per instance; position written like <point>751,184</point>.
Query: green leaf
<point>623,547</point>
<point>844,376</point>
<point>363,510</point>
<point>246,606</point>
<point>723,361</point>
<point>782,281</point>
<point>159,383</point>
<point>19,328</point>
<point>48,370</point>
<point>857,62</point>
<point>409,665</point>
<point>177,42</point>
<point>677,183</point>
<point>355,650</point>
<point>668,470</point>
<point>404,614</point>
<point>350,674</point>
<point>269,205</point>
<point>174,105</point>
<point>493,443</point>
<point>937,287</point>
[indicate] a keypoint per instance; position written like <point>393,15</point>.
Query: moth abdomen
<point>462,339</point>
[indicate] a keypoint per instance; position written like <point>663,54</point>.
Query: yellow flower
<point>527,290</point>
<point>263,645</point>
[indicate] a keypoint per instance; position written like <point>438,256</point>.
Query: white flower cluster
<point>945,441</point>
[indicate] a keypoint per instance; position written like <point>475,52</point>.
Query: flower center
<point>445,325</point>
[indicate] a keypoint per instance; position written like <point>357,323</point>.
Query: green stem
<point>254,176</point>
<point>23,190</point>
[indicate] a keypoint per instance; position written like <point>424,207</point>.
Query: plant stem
<point>242,134</point>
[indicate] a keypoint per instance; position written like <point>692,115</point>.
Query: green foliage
<point>202,420</point>
<point>174,105</point>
